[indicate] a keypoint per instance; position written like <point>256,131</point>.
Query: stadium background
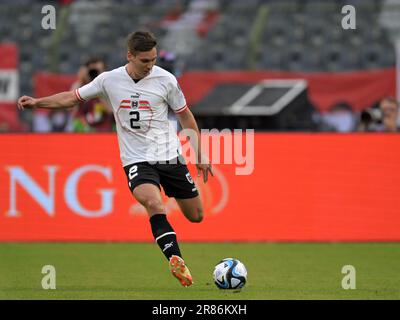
<point>316,177</point>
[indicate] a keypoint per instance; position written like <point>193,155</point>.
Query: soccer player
<point>140,94</point>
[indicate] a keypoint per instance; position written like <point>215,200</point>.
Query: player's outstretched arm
<point>66,99</point>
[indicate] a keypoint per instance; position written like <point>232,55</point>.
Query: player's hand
<point>203,168</point>
<point>26,102</point>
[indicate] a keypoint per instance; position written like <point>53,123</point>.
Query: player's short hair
<point>141,41</point>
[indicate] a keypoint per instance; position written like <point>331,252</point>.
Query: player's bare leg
<point>149,196</point>
<point>192,208</point>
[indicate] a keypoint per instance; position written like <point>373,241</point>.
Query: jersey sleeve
<point>91,90</point>
<point>176,100</point>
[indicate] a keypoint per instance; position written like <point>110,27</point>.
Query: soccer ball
<point>230,273</point>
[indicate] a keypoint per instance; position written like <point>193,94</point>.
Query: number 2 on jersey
<point>134,119</point>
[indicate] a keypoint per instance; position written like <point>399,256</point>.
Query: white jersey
<point>141,112</point>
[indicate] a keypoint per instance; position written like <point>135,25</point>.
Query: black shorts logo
<point>189,178</point>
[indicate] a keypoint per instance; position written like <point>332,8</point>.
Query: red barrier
<point>360,89</point>
<point>304,187</point>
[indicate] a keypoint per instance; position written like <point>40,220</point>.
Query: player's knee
<point>197,215</point>
<point>199,218</point>
<point>154,206</point>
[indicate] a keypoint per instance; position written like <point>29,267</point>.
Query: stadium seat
<point>269,57</point>
<point>332,58</point>
<point>372,57</point>
<point>320,7</point>
<point>284,7</point>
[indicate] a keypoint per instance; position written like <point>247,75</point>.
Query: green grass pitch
<point>140,271</point>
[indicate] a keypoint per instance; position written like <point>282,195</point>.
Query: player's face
<point>142,62</point>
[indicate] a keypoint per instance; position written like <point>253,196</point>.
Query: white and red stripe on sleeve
<point>78,96</point>
<point>181,109</point>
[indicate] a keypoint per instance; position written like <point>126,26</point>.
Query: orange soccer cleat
<point>180,271</point>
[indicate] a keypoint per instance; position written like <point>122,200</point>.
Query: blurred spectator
<point>340,118</point>
<point>94,114</point>
<point>51,121</point>
<point>389,107</point>
<point>382,118</point>
<point>60,120</point>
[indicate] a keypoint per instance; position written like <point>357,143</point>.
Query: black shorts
<point>172,175</point>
